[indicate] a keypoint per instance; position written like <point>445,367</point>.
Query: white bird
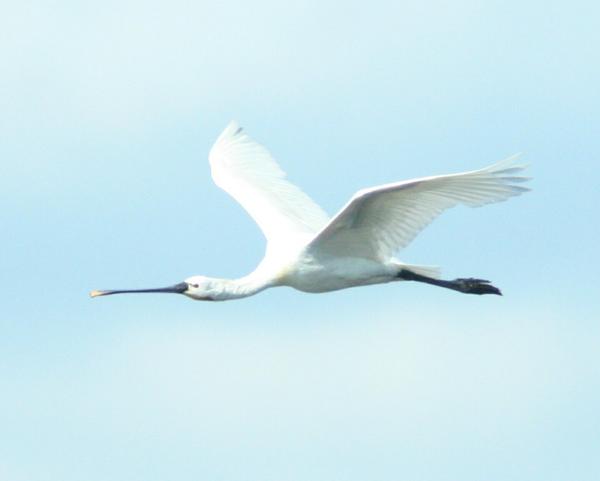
<point>310,252</point>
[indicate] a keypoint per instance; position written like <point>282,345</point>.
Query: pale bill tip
<point>97,293</point>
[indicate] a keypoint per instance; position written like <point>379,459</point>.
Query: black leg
<point>467,286</point>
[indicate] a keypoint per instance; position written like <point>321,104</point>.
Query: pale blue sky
<point>107,116</point>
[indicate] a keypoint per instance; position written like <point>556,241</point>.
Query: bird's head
<point>196,287</point>
<point>201,288</point>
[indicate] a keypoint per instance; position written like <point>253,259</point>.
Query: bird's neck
<point>238,288</point>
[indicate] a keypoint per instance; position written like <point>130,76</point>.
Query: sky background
<point>107,115</point>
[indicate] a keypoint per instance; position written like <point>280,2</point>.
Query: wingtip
<point>510,161</point>
<point>234,127</point>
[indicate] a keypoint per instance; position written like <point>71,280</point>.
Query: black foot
<point>475,286</point>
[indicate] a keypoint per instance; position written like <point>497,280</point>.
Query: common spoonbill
<point>310,252</point>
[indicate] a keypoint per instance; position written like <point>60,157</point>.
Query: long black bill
<point>176,289</point>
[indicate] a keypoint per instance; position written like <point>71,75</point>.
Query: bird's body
<point>323,274</point>
<point>309,272</point>
<point>310,252</point>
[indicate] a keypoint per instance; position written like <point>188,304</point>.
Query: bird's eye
<point>194,285</point>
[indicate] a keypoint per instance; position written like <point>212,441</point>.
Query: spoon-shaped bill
<point>176,289</point>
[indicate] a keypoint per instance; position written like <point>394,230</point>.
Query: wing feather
<point>378,221</point>
<point>248,172</point>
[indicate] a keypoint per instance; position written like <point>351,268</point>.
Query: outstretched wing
<point>380,220</point>
<point>246,170</point>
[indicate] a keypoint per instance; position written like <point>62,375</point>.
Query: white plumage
<point>380,220</point>
<point>246,170</point>
<point>310,252</point>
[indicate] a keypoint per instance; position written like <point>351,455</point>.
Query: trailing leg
<point>466,286</point>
